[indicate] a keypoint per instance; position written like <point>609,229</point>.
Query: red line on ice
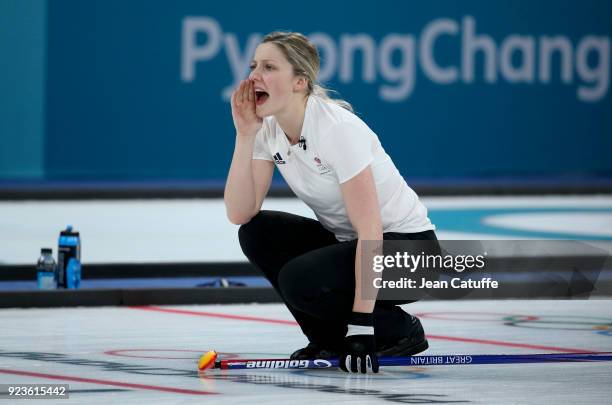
<point>105,382</point>
<point>509,344</point>
<point>438,337</point>
<point>215,315</point>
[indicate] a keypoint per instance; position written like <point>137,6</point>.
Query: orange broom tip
<point>207,360</point>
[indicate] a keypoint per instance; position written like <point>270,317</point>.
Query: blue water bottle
<point>69,247</point>
<point>73,274</point>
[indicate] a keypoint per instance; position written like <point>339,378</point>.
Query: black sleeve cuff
<point>362,319</point>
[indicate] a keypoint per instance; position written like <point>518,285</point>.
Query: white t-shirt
<point>338,146</point>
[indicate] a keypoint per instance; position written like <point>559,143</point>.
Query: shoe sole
<point>401,350</point>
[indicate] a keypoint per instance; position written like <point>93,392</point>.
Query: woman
<point>337,166</point>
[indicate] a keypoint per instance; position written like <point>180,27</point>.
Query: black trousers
<point>314,274</point>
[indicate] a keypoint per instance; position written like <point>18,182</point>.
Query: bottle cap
<point>46,250</point>
<point>69,231</point>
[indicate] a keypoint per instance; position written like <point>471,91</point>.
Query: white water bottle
<point>45,270</point>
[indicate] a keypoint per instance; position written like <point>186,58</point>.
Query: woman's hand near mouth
<point>246,121</point>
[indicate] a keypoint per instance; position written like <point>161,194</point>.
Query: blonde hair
<point>304,58</point>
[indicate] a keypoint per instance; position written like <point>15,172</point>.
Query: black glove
<point>359,350</point>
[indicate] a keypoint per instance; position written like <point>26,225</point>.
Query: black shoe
<point>414,343</point>
<point>313,351</point>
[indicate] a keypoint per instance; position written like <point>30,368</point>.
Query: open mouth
<point>261,97</point>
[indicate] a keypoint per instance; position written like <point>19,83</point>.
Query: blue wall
<point>133,93</point>
<point>22,90</point>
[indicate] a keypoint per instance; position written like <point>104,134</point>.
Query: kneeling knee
<point>253,230</point>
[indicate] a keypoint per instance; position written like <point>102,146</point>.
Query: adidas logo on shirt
<point>278,159</point>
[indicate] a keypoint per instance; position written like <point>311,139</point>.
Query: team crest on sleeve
<point>278,159</point>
